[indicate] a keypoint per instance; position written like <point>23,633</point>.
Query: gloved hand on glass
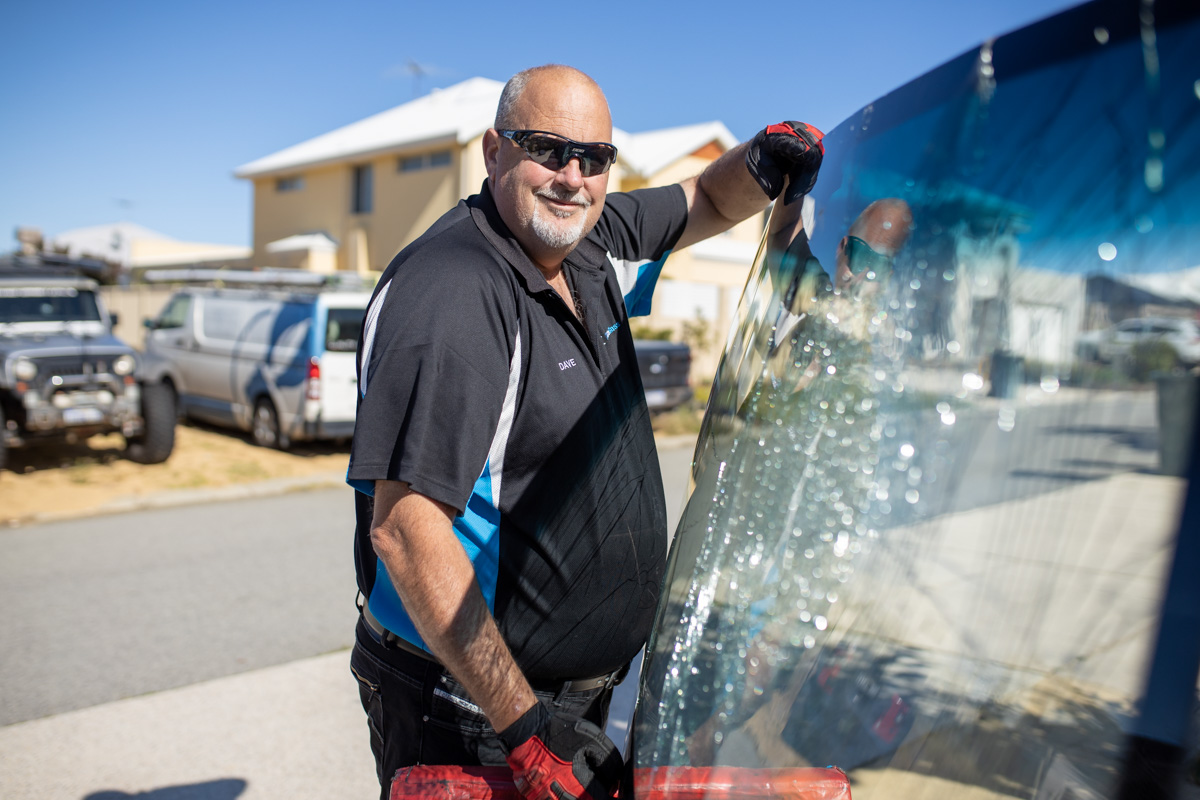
<point>791,150</point>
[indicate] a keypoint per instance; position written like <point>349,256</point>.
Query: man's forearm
<point>721,196</point>
<point>414,538</point>
<point>730,186</point>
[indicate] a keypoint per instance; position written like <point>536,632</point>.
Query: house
<point>351,198</point>
<point>134,249</point>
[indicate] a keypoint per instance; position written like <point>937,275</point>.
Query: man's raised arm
<point>744,180</point>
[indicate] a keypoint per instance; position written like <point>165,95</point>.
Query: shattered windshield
<point>937,490</point>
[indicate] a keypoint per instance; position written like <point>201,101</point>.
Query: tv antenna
<point>418,71</point>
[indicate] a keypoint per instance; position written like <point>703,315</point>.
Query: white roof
<point>112,241</point>
<point>646,153</point>
<point>458,114</point>
<point>320,242</point>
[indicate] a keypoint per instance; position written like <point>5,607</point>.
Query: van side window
<point>175,314</point>
<point>260,322</point>
<point>343,329</point>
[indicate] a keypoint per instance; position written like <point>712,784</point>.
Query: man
<point>511,530</point>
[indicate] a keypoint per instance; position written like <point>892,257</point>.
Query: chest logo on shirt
<point>564,365</point>
<point>611,330</point>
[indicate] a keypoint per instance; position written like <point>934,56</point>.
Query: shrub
<point>1146,358</point>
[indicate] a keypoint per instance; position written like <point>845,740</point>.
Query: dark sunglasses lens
<point>552,153</point>
<point>544,150</point>
<point>596,160</point>
<point>863,258</point>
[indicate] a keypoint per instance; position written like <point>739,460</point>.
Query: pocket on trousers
<point>452,708</point>
<point>372,703</point>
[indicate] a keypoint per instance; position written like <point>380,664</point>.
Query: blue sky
<point>140,111</point>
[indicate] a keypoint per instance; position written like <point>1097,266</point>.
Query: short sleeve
<point>643,224</point>
<point>433,385</point>
<point>637,231</point>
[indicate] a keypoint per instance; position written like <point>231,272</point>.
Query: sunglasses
<point>861,257</point>
<point>555,152</point>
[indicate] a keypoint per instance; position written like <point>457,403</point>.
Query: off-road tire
<point>157,439</point>
<point>264,427</point>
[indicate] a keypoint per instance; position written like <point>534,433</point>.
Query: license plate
<point>656,397</point>
<point>82,416</point>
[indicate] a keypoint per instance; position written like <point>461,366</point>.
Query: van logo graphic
<point>611,329</point>
<point>563,365</point>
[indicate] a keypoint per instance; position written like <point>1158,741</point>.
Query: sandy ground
<point>61,479</point>
<point>50,481</point>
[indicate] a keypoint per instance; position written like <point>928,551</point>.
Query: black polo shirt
<point>480,389</point>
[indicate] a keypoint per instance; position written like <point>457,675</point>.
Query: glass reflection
<point>940,475</point>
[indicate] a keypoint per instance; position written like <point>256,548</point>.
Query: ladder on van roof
<point>266,278</point>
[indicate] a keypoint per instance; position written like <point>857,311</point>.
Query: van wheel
<point>266,431</point>
<point>157,439</point>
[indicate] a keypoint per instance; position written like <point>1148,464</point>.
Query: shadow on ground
<point>223,789</point>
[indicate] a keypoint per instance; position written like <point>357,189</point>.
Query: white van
<point>279,363</point>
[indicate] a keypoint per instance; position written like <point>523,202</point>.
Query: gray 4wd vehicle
<point>64,375</point>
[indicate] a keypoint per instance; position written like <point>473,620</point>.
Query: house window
<point>441,158</point>
<point>364,180</point>
<point>292,183</point>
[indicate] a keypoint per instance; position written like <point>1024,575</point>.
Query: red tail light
<point>314,379</point>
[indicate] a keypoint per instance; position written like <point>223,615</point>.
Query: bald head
<point>556,89</point>
<point>548,206</point>
<point>884,225</point>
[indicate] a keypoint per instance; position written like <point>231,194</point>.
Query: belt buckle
<point>617,676</point>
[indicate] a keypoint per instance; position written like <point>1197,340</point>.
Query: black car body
<point>665,368</point>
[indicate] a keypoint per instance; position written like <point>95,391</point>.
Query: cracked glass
<point>936,493</point>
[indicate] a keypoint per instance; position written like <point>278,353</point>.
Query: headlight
<point>24,369</point>
<point>124,365</point>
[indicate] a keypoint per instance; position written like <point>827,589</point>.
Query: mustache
<point>578,198</point>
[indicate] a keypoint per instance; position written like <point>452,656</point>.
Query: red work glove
<point>561,757</point>
<point>789,149</point>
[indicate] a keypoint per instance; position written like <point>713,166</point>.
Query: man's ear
<point>491,152</point>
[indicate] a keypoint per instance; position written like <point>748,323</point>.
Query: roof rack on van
<point>264,278</point>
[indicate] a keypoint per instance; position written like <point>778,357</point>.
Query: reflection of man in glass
<point>865,253</point>
<point>816,312</point>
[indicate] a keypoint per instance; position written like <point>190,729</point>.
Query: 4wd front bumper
<point>81,411</point>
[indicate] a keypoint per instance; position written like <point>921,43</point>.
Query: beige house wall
<point>132,304</point>
<point>150,251</point>
<point>471,168</point>
<point>404,205</point>
<point>321,205</point>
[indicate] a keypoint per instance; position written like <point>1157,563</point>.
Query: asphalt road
<point>115,606</point>
<point>109,607</point>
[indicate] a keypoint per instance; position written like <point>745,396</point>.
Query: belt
<point>388,639</point>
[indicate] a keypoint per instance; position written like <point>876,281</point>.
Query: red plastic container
<point>663,783</point>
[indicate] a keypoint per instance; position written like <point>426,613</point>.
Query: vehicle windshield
<point>47,304</point>
<point>928,536</point>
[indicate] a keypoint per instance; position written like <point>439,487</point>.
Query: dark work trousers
<point>419,714</point>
